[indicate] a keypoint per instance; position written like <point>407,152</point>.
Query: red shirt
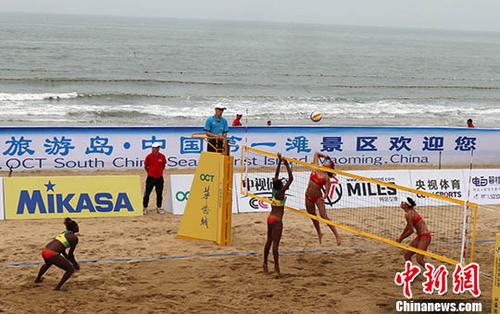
<point>155,164</point>
<point>236,122</point>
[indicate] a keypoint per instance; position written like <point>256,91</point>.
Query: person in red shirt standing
<point>470,124</point>
<point>237,121</point>
<point>154,164</point>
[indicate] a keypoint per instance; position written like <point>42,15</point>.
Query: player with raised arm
<point>275,218</point>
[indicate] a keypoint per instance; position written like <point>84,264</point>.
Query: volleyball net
<point>369,207</point>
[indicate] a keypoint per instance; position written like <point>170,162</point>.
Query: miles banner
<point>72,196</point>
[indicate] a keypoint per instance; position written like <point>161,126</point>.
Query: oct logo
<point>182,196</point>
<point>207,177</point>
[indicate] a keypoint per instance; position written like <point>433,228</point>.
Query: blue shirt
<point>216,127</point>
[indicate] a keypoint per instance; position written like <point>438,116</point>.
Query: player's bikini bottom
<point>272,219</point>
<point>46,253</point>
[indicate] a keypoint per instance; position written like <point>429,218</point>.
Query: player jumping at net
<point>415,221</point>
<point>274,220</point>
<point>55,253</point>
<point>314,193</point>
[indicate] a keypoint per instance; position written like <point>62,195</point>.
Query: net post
<point>473,235</point>
<point>466,208</point>
<point>227,200</point>
<point>464,235</point>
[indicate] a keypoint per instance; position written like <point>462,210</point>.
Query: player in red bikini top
<point>319,181</point>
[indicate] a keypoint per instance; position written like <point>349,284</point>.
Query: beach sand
<point>356,277</point>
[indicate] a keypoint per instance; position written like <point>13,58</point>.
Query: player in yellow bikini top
<point>62,238</point>
<point>54,253</point>
<point>274,220</point>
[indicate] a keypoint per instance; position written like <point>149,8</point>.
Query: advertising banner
<point>72,196</point>
<point>484,185</point>
<point>342,194</point>
<point>447,182</point>
<point>349,193</point>
<point>91,148</point>
<point>179,187</point>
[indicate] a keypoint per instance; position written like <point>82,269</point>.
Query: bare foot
<point>57,288</point>
<point>278,275</point>
<point>264,266</point>
<point>320,236</point>
<point>38,280</point>
<point>339,242</point>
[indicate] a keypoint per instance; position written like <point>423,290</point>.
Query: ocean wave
<point>36,96</point>
<point>261,84</point>
<point>110,114</point>
<point>184,110</point>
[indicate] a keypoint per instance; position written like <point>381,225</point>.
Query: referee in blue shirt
<point>216,129</point>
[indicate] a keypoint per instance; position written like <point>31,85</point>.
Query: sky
<point>437,14</point>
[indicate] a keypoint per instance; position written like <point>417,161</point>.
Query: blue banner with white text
<point>90,148</point>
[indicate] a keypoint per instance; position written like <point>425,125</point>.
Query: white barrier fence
<point>483,188</point>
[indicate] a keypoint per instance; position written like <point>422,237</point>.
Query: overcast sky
<point>440,14</point>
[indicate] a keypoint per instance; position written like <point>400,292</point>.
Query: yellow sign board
<point>72,196</point>
<point>205,214</point>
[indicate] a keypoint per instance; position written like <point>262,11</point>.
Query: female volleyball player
<point>274,220</point>
<point>55,253</point>
<point>415,221</point>
<point>314,193</point>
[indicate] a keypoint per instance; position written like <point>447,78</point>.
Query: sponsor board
<point>180,186</point>
<point>343,193</point>
<point>71,196</point>
<point>91,148</point>
<point>449,182</point>
<point>484,185</point>
<point>349,193</point>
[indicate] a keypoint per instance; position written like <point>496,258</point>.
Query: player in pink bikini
<point>315,196</point>
<point>415,221</point>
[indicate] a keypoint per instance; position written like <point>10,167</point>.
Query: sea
<point>69,70</point>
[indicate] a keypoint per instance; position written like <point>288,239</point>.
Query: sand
<point>356,277</point>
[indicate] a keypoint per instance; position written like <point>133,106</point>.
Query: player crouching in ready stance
<point>55,253</point>
<point>415,221</point>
